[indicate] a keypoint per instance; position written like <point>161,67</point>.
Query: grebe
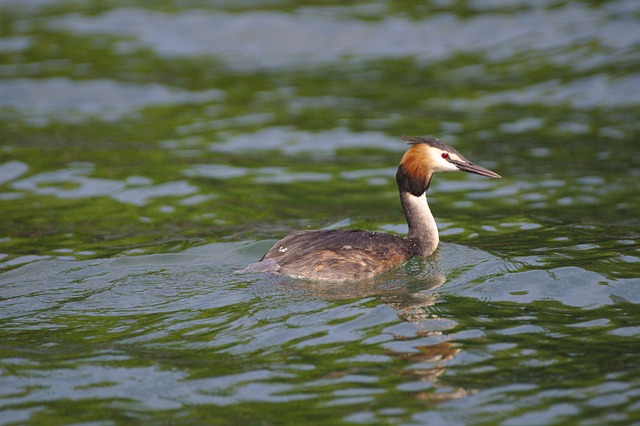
<point>353,255</point>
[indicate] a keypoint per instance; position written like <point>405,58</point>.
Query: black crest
<point>434,142</point>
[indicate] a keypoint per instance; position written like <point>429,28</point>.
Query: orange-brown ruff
<point>350,255</point>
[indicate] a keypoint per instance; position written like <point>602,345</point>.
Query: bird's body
<point>328,254</point>
<point>350,255</point>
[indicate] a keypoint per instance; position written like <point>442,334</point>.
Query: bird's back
<point>337,255</point>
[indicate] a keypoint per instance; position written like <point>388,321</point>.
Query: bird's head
<point>427,156</point>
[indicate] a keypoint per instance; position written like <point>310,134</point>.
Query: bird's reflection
<point>410,291</point>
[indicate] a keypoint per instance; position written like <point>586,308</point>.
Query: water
<point>149,153</point>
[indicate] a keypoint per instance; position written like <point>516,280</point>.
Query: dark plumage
<point>328,254</point>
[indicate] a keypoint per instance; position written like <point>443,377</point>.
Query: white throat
<point>423,236</point>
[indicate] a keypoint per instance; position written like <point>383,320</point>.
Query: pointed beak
<point>474,168</point>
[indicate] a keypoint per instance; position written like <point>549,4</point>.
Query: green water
<point>150,150</point>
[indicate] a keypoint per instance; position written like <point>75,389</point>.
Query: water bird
<point>354,255</point>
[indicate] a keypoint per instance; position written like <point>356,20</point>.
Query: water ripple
<point>263,39</point>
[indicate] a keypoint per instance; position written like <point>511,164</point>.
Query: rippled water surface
<point>147,152</point>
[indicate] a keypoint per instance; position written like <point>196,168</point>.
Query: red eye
<point>445,155</point>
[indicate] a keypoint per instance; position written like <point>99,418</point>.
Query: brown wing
<point>337,255</point>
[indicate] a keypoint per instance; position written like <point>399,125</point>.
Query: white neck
<point>423,237</point>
